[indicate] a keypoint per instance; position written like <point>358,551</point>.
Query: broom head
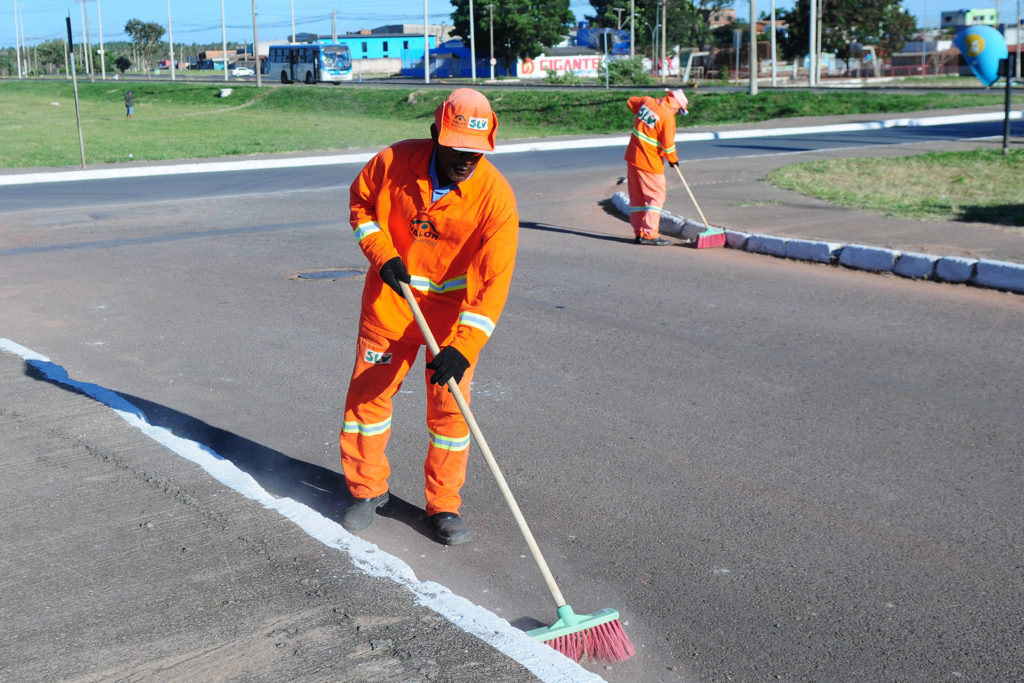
<point>710,237</point>
<point>598,635</point>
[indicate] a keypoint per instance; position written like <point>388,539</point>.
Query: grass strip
<point>982,186</point>
<point>189,120</point>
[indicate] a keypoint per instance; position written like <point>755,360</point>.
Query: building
<point>969,17</point>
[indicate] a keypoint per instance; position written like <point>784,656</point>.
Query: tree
<point>687,26</point>
<point>122,64</point>
<point>51,54</point>
<point>522,28</point>
<point>845,23</point>
<point>145,38</point>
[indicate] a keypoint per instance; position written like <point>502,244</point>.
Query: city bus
<point>309,63</point>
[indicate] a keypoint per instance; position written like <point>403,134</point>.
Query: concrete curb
<point>987,273</point>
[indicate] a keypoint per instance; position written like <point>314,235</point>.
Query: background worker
<point>652,140</point>
<point>438,216</point>
<point>129,103</point>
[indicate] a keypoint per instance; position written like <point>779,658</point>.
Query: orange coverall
<point>652,140</point>
<point>460,253</point>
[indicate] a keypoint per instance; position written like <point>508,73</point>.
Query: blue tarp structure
<point>451,59</point>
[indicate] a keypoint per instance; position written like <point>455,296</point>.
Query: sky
<point>199,21</point>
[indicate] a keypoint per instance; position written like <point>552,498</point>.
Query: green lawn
<point>189,120</point>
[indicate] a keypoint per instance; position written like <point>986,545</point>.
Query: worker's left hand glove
<point>448,364</point>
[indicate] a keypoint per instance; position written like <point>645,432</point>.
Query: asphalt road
<point>772,469</point>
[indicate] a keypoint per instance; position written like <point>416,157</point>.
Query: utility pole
<point>256,45</point>
<point>618,16</point>
<point>223,42</point>
<point>170,39</point>
<point>74,82</point>
<point>17,39</point>
<point>632,23</point>
<point>812,57</point>
<point>87,46</point>
<point>103,52</point>
<point>426,46</point>
<point>472,44</point>
<point>664,51</point>
<point>293,23</point>
<point>774,53</point>
<point>492,60</point>
<point>753,47</point>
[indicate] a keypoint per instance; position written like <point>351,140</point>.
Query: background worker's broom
<point>709,236</point>
<point>598,635</point>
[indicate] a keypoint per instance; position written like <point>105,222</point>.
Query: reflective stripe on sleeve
<point>646,138</point>
<point>366,229</point>
<point>449,443</point>
<point>353,427</point>
<point>480,322</point>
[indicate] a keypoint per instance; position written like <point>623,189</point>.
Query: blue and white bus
<point>309,63</point>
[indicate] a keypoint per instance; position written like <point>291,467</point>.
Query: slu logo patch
<point>477,123</point>
<point>377,357</point>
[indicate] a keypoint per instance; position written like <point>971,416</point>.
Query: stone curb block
<point>1000,275</point>
<point>868,258</point>
<point>767,244</point>
<point>955,269</point>
<point>915,266</point>
<point>735,239</point>
<point>1004,275</point>
<point>811,250</point>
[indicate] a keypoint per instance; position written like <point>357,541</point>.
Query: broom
<point>599,635</point>
<point>708,237</point>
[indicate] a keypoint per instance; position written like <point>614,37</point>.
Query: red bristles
<point>604,642</point>
<point>710,238</point>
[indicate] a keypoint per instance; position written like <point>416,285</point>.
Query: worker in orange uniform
<point>437,215</point>
<point>652,140</point>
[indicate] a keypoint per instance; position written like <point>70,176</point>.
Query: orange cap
<point>679,97</point>
<point>465,122</point>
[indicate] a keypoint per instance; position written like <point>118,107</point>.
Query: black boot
<point>449,529</point>
<point>360,514</point>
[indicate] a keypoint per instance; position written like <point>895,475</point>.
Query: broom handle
<point>692,198</point>
<point>474,429</point>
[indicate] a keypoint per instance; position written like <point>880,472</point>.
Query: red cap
<point>465,122</point>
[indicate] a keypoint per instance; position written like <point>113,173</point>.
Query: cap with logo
<point>465,122</point>
<point>679,97</point>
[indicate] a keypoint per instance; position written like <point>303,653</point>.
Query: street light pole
<point>632,24</point>
<point>426,46</point>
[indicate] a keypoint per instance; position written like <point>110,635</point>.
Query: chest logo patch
<point>423,230</point>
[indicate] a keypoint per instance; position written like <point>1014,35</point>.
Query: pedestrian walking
<point>129,103</point>
<point>652,142</point>
<point>438,216</point>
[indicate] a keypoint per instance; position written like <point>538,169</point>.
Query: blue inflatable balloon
<point>982,47</point>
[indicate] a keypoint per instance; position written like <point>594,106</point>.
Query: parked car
<point>242,71</point>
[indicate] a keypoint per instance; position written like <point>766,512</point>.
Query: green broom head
<point>598,635</point>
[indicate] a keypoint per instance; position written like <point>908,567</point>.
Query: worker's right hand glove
<point>393,272</point>
<point>673,164</point>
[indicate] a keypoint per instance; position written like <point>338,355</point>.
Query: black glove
<point>393,272</point>
<point>448,364</point>
<point>673,164</point>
